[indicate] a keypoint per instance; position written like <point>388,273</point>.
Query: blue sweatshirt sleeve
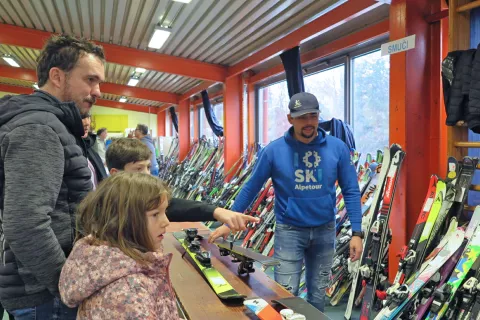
<point>347,179</point>
<point>261,173</point>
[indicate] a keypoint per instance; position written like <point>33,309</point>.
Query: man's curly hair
<point>63,52</point>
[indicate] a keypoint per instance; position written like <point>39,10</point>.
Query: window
<point>205,129</point>
<point>273,110</point>
<point>370,101</point>
<point>329,88</point>
<point>365,75</point>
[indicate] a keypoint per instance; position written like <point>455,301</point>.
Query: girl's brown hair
<point>115,212</point>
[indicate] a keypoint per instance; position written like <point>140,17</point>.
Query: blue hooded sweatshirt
<point>304,177</point>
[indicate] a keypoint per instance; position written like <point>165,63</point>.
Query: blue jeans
<point>54,309</point>
<point>315,246</point>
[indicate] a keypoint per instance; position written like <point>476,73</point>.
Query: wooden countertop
<point>197,298</point>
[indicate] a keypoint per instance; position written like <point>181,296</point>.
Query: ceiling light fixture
<point>133,81</point>
<point>123,99</point>
<point>160,35</point>
<point>140,70</point>
<point>9,59</point>
<point>183,1</point>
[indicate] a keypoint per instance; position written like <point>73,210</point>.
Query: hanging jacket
<point>473,110</point>
<point>107,284</point>
<point>94,157</point>
<point>456,74</point>
<point>340,130</point>
<point>43,175</point>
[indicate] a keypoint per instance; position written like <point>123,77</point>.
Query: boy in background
<point>131,155</point>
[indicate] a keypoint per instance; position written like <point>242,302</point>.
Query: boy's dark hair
<point>124,151</point>
<point>143,128</point>
<point>63,52</point>
<point>101,130</point>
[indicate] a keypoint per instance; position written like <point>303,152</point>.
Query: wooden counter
<point>195,295</point>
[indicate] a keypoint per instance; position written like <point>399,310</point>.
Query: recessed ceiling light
<point>123,99</point>
<point>159,37</point>
<point>133,82</point>
<point>183,1</point>
<point>140,70</point>
<point>11,61</point>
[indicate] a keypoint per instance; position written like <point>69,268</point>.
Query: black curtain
<point>293,69</point>
<point>212,120</point>
<point>173,115</point>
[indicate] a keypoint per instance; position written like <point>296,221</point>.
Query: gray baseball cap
<point>303,103</point>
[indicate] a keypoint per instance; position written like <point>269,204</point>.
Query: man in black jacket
<point>95,162</point>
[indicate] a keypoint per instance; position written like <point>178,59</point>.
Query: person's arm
<point>181,210</point>
<point>347,179</point>
<point>260,174</point>
<point>33,177</point>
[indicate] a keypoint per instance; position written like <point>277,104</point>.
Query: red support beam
<point>332,19</point>
<point>161,123</point>
<point>232,110</point>
<point>30,38</point>
<point>437,16</point>
<point>210,96</point>
<point>100,102</point>
<point>107,87</point>
<point>196,90</point>
<point>15,89</point>
<point>183,129</point>
<point>350,41</point>
<point>411,77</point>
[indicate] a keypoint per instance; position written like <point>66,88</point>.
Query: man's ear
<point>56,77</point>
<point>289,118</point>
<point>113,171</point>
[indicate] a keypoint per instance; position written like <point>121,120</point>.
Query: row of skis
<point>438,272</point>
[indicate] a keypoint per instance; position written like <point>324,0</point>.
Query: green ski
<point>202,261</point>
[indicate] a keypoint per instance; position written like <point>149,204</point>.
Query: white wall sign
<point>399,45</point>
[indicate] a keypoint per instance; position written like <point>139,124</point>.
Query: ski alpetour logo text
<point>308,175</point>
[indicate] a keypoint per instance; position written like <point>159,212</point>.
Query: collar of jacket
<point>70,115</point>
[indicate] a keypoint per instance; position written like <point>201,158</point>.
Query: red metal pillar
<point>161,123</point>
<point>232,109</point>
<point>183,128</point>
<point>411,108</point>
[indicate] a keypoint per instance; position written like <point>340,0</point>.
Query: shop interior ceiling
<point>220,32</point>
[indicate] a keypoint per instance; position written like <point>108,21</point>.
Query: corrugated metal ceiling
<point>114,73</point>
<point>216,31</point>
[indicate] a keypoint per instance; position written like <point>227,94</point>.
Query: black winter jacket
<point>473,110</point>
<point>43,176</point>
<point>94,158</point>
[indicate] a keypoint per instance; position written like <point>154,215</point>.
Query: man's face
<point>138,134</point>
<point>306,125</point>
<point>82,83</point>
<point>139,166</point>
<point>104,135</point>
<point>86,126</point>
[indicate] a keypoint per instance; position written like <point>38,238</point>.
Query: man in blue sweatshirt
<point>304,165</point>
